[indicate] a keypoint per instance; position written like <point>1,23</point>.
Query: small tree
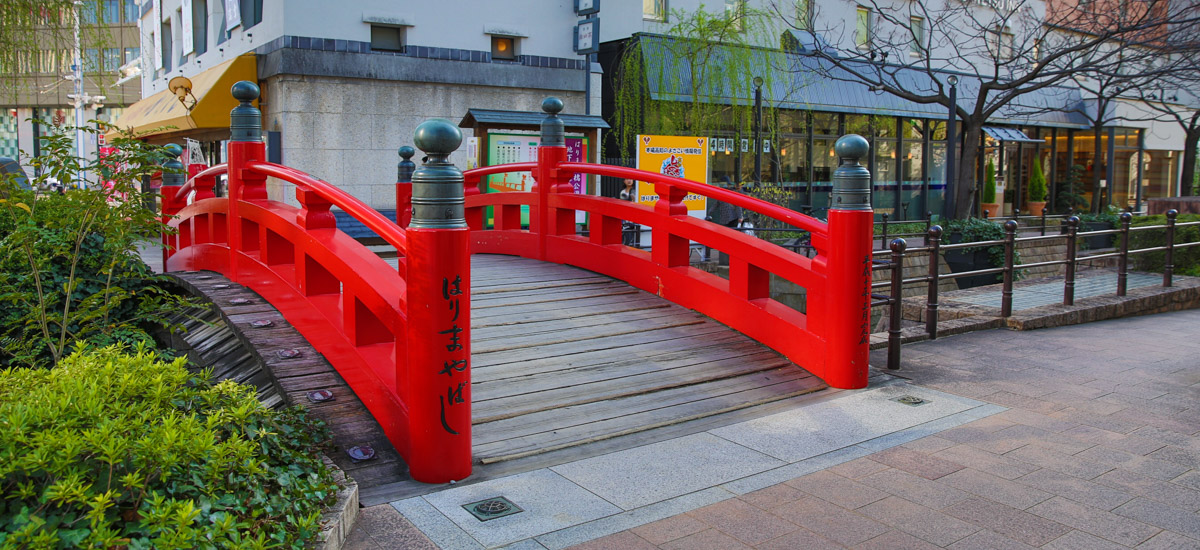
<point>989,183</point>
<point>1037,183</point>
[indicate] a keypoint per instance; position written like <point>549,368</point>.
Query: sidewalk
<point>1074,437</point>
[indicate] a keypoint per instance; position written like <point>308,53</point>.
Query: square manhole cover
<point>492,508</point>
<point>910,400</point>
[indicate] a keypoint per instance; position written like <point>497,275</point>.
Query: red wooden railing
<point>831,340</point>
<point>401,337</point>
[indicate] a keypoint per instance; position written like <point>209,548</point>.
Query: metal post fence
<point>1169,259</point>
<point>896,301</point>
<point>1123,258</point>
<point>1010,235</point>
<point>1069,279</point>
<point>931,300</point>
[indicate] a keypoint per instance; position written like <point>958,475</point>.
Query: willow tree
<point>705,64</point>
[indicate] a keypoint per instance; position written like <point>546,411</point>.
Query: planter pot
<point>991,209</point>
<point>1096,242</point>
<point>962,261</point>
<point>1036,208</point>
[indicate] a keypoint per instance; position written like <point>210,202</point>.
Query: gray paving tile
<point>794,470</point>
<point>1162,516</point>
<point>1167,540</point>
<point>636,477</point>
<point>1094,521</point>
<point>996,489</point>
<point>1078,540</point>
<point>434,524</point>
<point>628,520</point>
<point>1078,490</point>
<point>988,540</point>
<point>550,503</point>
<point>802,433</point>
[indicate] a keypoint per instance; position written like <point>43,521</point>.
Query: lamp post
<point>758,82</point>
<point>951,145</point>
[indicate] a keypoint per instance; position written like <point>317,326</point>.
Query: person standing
<point>729,215</point>
<point>629,230</point>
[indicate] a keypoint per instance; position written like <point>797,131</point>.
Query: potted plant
<point>975,258</point>
<point>988,202</point>
<point>1098,222</point>
<point>1037,189</point>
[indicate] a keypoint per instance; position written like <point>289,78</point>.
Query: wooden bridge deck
<point>565,363</point>
<point>564,357</point>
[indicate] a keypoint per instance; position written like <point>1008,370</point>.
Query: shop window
<point>112,59</point>
<point>825,124</point>
<point>387,39</point>
<point>132,53</point>
<point>504,47</point>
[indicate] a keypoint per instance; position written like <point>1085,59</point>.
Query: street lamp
<point>951,142</point>
<point>758,82</point>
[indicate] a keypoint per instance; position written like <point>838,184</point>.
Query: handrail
<point>385,228</point>
<point>790,217</point>
<point>189,185</point>
<point>499,169</point>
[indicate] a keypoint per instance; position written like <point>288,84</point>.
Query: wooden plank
<point>577,415</point>
<point>484,334</point>
<point>596,358</point>
<point>541,314</point>
<point>593,332</point>
<point>615,427</point>
<point>551,351</point>
<point>591,392</point>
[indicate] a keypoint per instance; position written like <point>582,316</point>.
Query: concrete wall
<point>347,130</point>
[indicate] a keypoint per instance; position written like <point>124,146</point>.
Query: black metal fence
<point>898,250</point>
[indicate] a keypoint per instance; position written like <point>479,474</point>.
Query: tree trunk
<point>1187,178</point>
<point>964,180</point>
<point>1097,156</point>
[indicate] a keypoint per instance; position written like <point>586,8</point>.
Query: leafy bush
<point>967,230</point>
<point>69,268</point>
<point>1069,196</point>
<point>111,449</point>
<point>1186,260</point>
<point>1037,182</point>
<point>989,183</point>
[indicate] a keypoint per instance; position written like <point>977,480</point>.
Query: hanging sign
<point>587,35</point>
<point>233,14</point>
<point>676,156</point>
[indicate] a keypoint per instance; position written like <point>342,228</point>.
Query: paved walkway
<point>1088,284</point>
<point>1075,437</point>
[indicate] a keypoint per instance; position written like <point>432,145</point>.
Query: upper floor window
<point>133,12</point>
<point>917,26</point>
<point>1000,44</point>
<point>804,15</point>
<point>251,13</point>
<point>735,12</point>
<point>655,10</point>
<point>504,47</point>
<point>199,26</point>
<point>863,32</point>
<point>387,39</point>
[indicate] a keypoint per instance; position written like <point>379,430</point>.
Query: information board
<point>676,156</point>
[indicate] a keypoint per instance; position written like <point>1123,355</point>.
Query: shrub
<point>111,449</point>
<point>966,230</point>
<point>1037,182</point>
<point>1186,260</point>
<point>69,268</point>
<point>989,183</point>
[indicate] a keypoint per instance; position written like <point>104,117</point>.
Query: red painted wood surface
<point>401,338</point>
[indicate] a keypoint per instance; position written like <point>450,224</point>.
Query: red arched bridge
<point>401,337</point>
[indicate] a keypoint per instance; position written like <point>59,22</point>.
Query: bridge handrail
<point>190,184</point>
<point>790,217</point>
<point>475,174</point>
<point>385,228</point>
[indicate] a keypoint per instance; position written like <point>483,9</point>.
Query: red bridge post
<point>439,313</point>
<point>404,172</point>
<point>245,145</point>
<point>172,179</point>
<point>846,309</point>
<point>552,151</point>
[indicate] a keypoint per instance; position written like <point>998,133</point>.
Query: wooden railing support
<point>172,179</point>
<point>439,313</point>
<point>846,308</point>
<point>245,145</point>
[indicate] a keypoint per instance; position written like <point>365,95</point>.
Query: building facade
<point>37,83</point>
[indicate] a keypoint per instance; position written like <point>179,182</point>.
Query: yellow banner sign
<point>676,156</point>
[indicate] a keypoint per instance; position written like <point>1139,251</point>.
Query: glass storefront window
<point>793,163</point>
<point>885,126</point>
<point>793,122</point>
<point>935,202</point>
<point>913,129</point>
<point>858,124</point>
<point>885,177</point>
<point>825,124</point>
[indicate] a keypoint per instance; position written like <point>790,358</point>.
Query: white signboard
<point>233,14</point>
<point>186,16</point>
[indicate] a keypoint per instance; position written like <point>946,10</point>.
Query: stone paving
<point>1096,446</point>
<point>1098,449</point>
<point>1051,293</point>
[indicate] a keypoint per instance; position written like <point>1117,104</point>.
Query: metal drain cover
<point>492,508</point>
<point>910,400</point>
<point>320,396</point>
<point>262,323</point>
<point>359,453</point>
<point>288,353</point>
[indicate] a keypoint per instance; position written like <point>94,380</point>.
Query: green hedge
<point>112,449</point>
<point>1186,260</point>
